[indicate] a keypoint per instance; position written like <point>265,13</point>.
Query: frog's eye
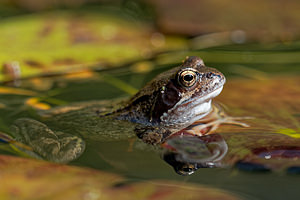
<point>187,78</point>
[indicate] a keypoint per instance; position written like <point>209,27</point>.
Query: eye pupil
<point>188,77</point>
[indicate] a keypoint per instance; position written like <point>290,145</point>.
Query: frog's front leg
<point>51,145</point>
<point>152,134</point>
<point>211,122</point>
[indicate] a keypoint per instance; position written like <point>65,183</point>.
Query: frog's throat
<point>202,106</point>
<point>186,113</point>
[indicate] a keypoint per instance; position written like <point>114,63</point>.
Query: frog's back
<point>88,121</point>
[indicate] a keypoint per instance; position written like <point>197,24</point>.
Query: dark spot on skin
<point>165,101</point>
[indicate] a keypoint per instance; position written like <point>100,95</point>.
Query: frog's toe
<point>234,121</point>
<point>51,145</point>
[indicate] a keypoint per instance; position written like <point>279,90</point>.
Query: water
<point>246,62</point>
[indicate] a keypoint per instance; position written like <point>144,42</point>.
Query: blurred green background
<point>42,37</point>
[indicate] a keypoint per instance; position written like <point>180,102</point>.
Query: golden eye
<point>187,78</point>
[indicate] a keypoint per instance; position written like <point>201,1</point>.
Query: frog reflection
<point>171,102</point>
<point>187,153</point>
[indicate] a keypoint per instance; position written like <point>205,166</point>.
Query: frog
<point>175,100</point>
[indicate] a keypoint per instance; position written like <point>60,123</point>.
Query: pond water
<point>249,67</point>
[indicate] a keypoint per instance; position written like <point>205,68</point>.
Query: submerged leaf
<point>30,179</point>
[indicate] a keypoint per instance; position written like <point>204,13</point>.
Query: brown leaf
<point>31,179</point>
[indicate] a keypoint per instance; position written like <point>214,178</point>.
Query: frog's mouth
<point>198,100</point>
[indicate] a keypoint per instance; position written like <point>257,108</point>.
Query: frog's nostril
<point>211,75</point>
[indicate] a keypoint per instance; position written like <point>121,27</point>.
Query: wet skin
<point>171,102</point>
